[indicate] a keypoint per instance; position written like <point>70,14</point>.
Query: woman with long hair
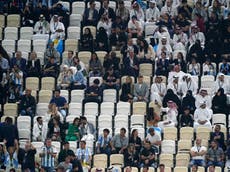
<point>95,67</point>
<point>127,90</point>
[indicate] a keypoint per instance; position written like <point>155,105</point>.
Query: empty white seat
<point>75,20</point>
<point>77,96</point>
<point>75,109</point>
<point>137,121</point>
<point>141,132</point>
<point>91,119</point>
<point>26,33</point>
<point>123,108</point>
<point>91,109</point>
<point>105,121</point>
<point>121,121</point>
<point>74,32</point>
<point>110,95</point>
<point>70,118</point>
<point>42,109</point>
<point>24,133</point>
<point>107,108</point>
<point>39,45</point>
<point>11,33</point>
<point>168,147</point>
<point>65,93</point>
<point>24,122</point>
<point>24,45</point>
<point>9,45</point>
<point>78,7</point>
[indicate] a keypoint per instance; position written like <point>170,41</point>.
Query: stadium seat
<point>9,45</point>
<point>39,45</point>
<point>24,134</point>
<point>182,160</point>
<point>105,121</point>
<point>78,8</point>
<point>146,69</point>
<point>91,79</point>
<point>117,160</point>
<point>70,118</point>
<point>123,108</point>
<point>2,21</point>
<point>166,159</point>
<point>65,93</point>
<point>65,4</point>
<point>181,169</point>
<point>121,121</point>
<point>57,146</point>
<point>1,33</point>
<point>170,133</point>
<point>26,33</point>
<point>137,121</point>
<point>13,20</point>
<point>168,147</point>
<point>91,108</point>
<point>203,132</point>
<point>75,109</point>
<point>24,122</point>
<point>139,108</point>
<point>141,132</point>
<point>75,20</point>
<point>77,96</point>
<point>128,4</point>
<point>98,5</point>
<point>100,160</point>
<point>92,29</point>
<point>48,83</point>
<point>24,46</point>
<point>110,95</point>
<point>107,108</point>
<point>42,109</point>
<point>11,33</point>
<point>5,116</point>
<point>74,32</point>
<point>73,145</point>
<point>150,29</point>
<point>123,79</point>
<point>11,109</point>
<point>113,5</point>
<point>186,133</point>
<point>84,56</point>
<point>101,54</point>
<point>40,56</point>
<point>147,80</point>
<point>71,44</point>
<point>32,83</point>
<point>184,146</point>
<point>45,96</point>
<point>219,119</point>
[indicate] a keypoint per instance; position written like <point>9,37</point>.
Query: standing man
<point>48,155</point>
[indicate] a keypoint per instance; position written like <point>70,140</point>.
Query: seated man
<point>147,155</point>
<point>154,138</point>
<point>103,143</point>
<point>93,93</point>
<point>51,52</point>
<point>84,154</point>
<point>120,142</point>
<point>27,104</point>
<point>86,127</point>
<point>198,153</point>
<point>202,116</point>
<point>215,155</point>
<point>111,80</point>
<point>141,90</point>
<point>39,130</point>
<point>42,26</point>
<point>60,102</point>
<point>218,136</point>
<point>51,69</point>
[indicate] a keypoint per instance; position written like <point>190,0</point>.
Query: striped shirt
<point>104,141</point>
<point>83,154</point>
<point>11,163</point>
<point>47,159</point>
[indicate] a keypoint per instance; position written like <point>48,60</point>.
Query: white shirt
<point>206,99</point>
<point>39,129</point>
<point>157,88</point>
<point>152,13</point>
<point>194,36</point>
<point>134,26</point>
<point>198,149</point>
<point>177,88</point>
<point>172,11</point>
<point>191,85</point>
<point>202,114</point>
<point>154,138</point>
<point>106,26</point>
<point>55,26</point>
<point>219,84</point>
<point>182,37</point>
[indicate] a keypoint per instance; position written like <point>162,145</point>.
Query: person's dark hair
<point>38,118</point>
<point>9,120</point>
<point>96,81</point>
<point>106,130</point>
<point>161,165</point>
<point>91,2</point>
<point>123,129</point>
<point>57,90</point>
<point>70,51</point>
<point>75,119</point>
<point>134,130</point>
<point>12,170</point>
<point>146,167</point>
<point>91,59</point>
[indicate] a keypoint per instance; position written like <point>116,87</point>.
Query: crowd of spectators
<point>187,39</point>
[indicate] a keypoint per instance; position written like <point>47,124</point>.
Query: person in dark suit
<point>18,60</point>
<point>90,16</point>
<point>93,93</point>
<point>106,9</point>
<point>131,64</point>
<point>218,136</point>
<point>127,90</point>
<point>162,65</point>
<point>33,66</point>
<point>130,46</point>
<point>27,104</point>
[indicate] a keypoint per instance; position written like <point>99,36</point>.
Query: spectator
<point>19,61</point>
<point>53,112</point>
<point>111,80</point>
<point>176,86</point>
<point>135,140</point>
<point>186,119</point>
<point>158,90</point>
<point>217,8</point>
<point>56,129</point>
<point>154,138</point>
<point>106,9</point>
<point>104,143</point>
<point>11,155</point>
<point>127,90</point>
<point>137,11</point>
<point>200,10</point>
<point>131,156</point>
<point>219,102</point>
<point>69,60</point>
<point>194,168</point>
<point>73,131</point>
<point>203,96</point>
<point>95,67</point>
<point>27,104</point>
<point>162,65</point>
<point>119,142</point>
<point>125,50</point>
<point>51,69</point>
<point>202,116</point>
<point>90,16</point>
<point>51,52</point>
<point>122,11</point>
<point>66,164</point>
<point>172,113</point>
<point>111,60</point>
<point>75,162</point>
<point>189,101</point>
<point>180,38</point>
<point>57,28</point>
<point>48,155</point>
<point>215,155</point>
<point>131,64</point>
<point>147,156</point>
<point>182,22</point>
<point>186,9</point>
<point>188,84</point>
<point>79,65</point>
<point>196,51</point>
<point>171,96</point>
<point>152,13</point>
<point>102,43</point>
<point>9,132</point>
<point>33,66</point>
<point>194,68</point>
<point>60,102</point>
<point>141,90</point>
<point>135,28</point>
<point>87,40</point>
<point>2,157</point>
<point>196,35</point>
<point>198,153</point>
<point>42,26</point>
<point>4,63</point>
<point>39,130</point>
<point>84,154</point>
<point>208,68</point>
<point>77,80</point>
<point>146,53</point>
<point>93,93</point>
<point>105,23</point>
<point>65,152</point>
<point>221,82</point>
<point>28,163</point>
<point>64,78</point>
<point>86,127</point>
<point>225,67</point>
<point>218,136</point>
